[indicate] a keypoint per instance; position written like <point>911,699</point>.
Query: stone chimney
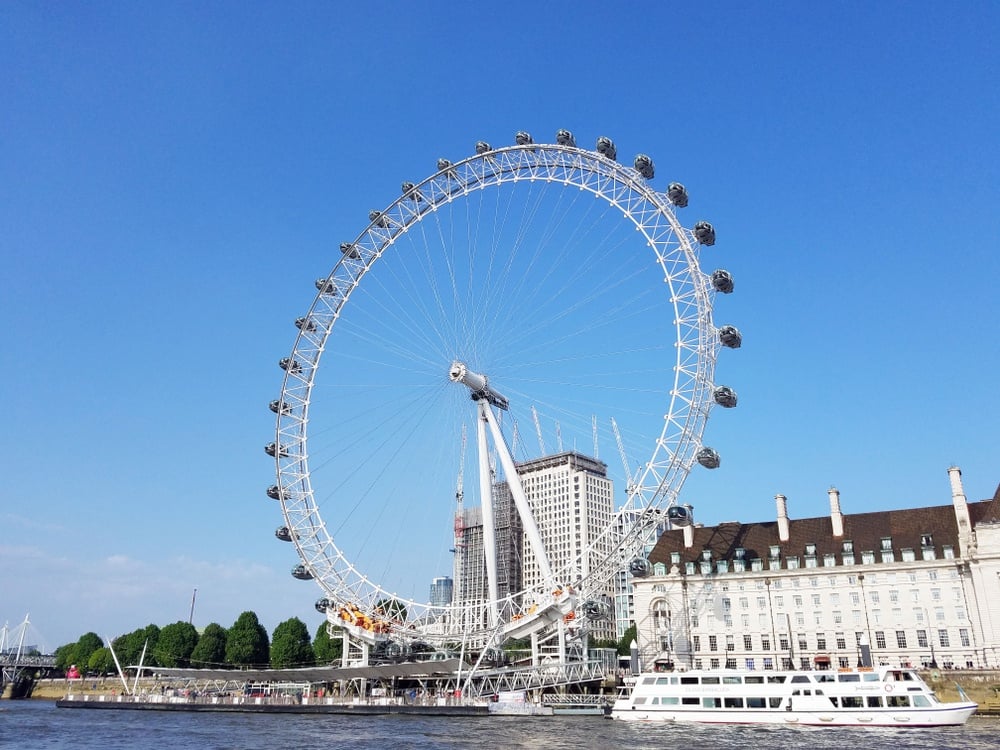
<point>958,500</point>
<point>782,503</point>
<point>689,536</point>
<point>836,517</point>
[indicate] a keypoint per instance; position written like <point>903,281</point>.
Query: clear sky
<point>173,177</point>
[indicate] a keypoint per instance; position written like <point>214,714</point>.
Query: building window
<point>689,568</point>
<point>675,558</point>
<point>713,643</point>
<point>730,663</point>
<point>793,563</point>
<point>943,638</point>
<point>802,643</point>
<point>821,641</point>
<point>697,643</point>
<point>901,639</point>
<point>848,547</point>
<point>867,557</point>
<point>879,639</point>
<point>963,634</point>
<point>713,663</point>
<point>722,566</point>
<point>811,561</point>
<point>888,556</point>
<point>739,566</point>
<point>829,560</point>
<point>775,550</point>
<point>926,540</point>
<point>928,553</point>
<point>948,552</point>
<point>765,642</point>
<point>922,638</point>
<point>706,568</point>
<point>747,642</point>
<point>841,641</point>
<point>886,543</point>
<point>756,564</point>
<point>706,554</point>
<point>810,548</point>
<point>768,662</point>
<point>749,664</point>
<point>907,554</point>
<point>730,644</point>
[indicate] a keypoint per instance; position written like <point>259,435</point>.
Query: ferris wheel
<point>525,285</point>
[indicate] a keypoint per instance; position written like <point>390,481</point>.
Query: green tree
<point>246,642</point>
<point>101,662</point>
<point>78,653</point>
<point>625,644</point>
<point>211,648</point>
<point>129,647</point>
<point>64,656</point>
<point>328,650</point>
<point>290,645</point>
<point>176,643</point>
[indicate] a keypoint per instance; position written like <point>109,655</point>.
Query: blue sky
<point>174,177</point>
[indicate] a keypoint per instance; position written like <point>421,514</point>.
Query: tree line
<point>244,644</point>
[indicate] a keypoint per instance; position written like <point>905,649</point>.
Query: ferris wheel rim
<point>697,345</point>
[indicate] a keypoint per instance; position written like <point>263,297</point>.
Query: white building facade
<point>916,587</point>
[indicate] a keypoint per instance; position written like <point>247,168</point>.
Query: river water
<point>27,725</point>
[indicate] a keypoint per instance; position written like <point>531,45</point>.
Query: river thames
<point>39,724</point>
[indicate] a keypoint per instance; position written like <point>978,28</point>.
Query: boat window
<point>689,680</point>
<point>734,680</point>
<point>732,703</point>
<point>776,679</point>
<point>774,702</point>
<point>874,701</point>
<point>850,701</point>
<point>833,700</point>
<point>908,675</point>
<point>897,701</point>
<point>825,678</point>
<point>756,703</point>
<point>869,677</point>
<point>800,678</point>
<point>648,680</point>
<point>638,701</point>
<point>848,678</point>
<point>754,679</point>
<point>711,702</point>
<point>662,680</point>
<point>669,700</point>
<point>921,701</point>
<point>690,701</point>
<point>709,680</point>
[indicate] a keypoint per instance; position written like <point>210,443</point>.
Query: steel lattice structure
<point>675,248</point>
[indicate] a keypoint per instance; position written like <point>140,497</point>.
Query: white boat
<point>872,697</point>
<point>516,703</point>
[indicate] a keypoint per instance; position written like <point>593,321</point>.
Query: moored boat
<point>876,697</point>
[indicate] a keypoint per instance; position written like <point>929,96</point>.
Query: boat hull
<point>952,715</point>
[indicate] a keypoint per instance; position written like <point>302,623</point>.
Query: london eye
<point>524,294</point>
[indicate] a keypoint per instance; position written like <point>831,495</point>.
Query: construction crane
<point>538,429</point>
<point>460,495</point>
<point>629,481</point>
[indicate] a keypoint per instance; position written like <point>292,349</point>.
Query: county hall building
<point>916,587</point>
